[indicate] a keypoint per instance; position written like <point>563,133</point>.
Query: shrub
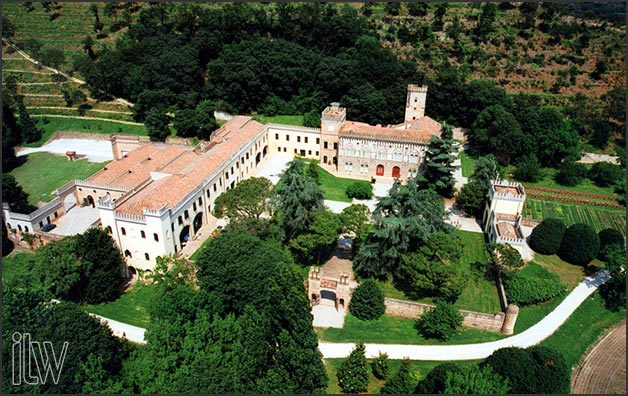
<point>580,244</point>
<point>360,190</point>
<point>441,322</point>
<point>571,173</point>
<point>609,236</point>
<point>401,383</point>
<point>379,366</point>
<point>552,374</point>
<point>434,381</point>
<point>528,169</point>
<point>367,301</point>
<point>547,236</point>
<point>352,374</point>
<point>605,174</point>
<point>523,290</point>
<point>517,365</point>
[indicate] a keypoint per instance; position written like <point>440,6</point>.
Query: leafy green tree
<point>609,236</point>
<point>552,374</point>
<point>472,199</point>
<point>88,46</point>
<point>485,22</point>
<point>157,125</point>
<point>319,240</point>
<point>605,174</point>
<point>570,173</point>
<point>516,365</point>
<point>353,376</point>
<point>52,57</point>
<point>416,8</point>
<point>497,132</point>
<point>185,122</point>
<point>250,199</point>
<point>438,164</point>
<point>392,8</point>
<point>313,171</point>
<point>360,190</point>
<point>379,366</point>
<point>505,259</point>
<point>172,271</point>
<point>547,236</point>
<point>401,383</point>
<point>7,244</point>
<point>441,322</point>
<point>435,381</point>
<point>367,301</point>
<point>439,13</point>
<point>580,244</point>
<point>477,380</point>
<point>614,290</point>
<point>528,169</point>
<point>355,216</point>
<point>403,220</point>
<point>485,172</point>
<point>298,199</point>
<point>205,120</point>
<point>14,195</point>
<point>312,119</point>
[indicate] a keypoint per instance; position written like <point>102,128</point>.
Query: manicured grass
<point>570,275</point>
<point>596,216</point>
<point>334,187</point>
<point>582,328</point>
<point>393,330</point>
<point>43,172</point>
<point>280,119</point>
<point>131,307</point>
<point>467,164</point>
<point>418,368</point>
<point>532,314</point>
<point>82,125</point>
<point>480,295</point>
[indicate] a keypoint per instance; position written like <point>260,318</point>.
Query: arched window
<point>397,155</point>
<point>146,256</point>
<point>396,172</point>
<point>381,154</point>
<point>349,150</point>
<point>123,231</point>
<point>414,157</point>
<point>380,170</point>
<point>109,230</point>
<point>143,234</point>
<point>127,253</point>
<point>366,153</point>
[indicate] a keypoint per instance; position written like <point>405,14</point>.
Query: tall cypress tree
<point>353,376</point>
<point>438,162</point>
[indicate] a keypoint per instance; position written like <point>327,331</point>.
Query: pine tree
<point>438,163</point>
<point>353,376</point>
<point>298,199</point>
<point>367,301</point>
<point>401,382</point>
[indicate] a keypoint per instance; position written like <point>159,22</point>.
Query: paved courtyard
<point>273,167</point>
<point>94,150</point>
<point>76,221</point>
<point>328,316</point>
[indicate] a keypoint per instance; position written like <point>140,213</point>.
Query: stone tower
<point>415,102</point>
<point>332,119</point>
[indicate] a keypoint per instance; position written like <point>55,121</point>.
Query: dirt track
<point>603,369</point>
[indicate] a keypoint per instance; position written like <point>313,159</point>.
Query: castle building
<point>502,215</point>
<point>153,198</point>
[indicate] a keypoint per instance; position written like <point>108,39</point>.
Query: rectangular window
<point>146,256</point>
<point>156,237</point>
<point>298,139</point>
<point>295,151</point>
<point>287,138</point>
<point>276,136</point>
<point>306,139</point>
<point>309,152</point>
<point>324,145</point>
<point>284,150</point>
<point>335,146</point>
<point>215,189</point>
<point>143,234</point>
<point>318,141</point>
<point>317,153</point>
<point>279,149</point>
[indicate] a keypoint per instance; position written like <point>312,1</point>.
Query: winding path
<point>531,336</point>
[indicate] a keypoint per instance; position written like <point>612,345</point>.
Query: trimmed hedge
<point>609,236</point>
<point>543,286</point>
<point>547,236</point>
<point>580,244</point>
<point>360,190</point>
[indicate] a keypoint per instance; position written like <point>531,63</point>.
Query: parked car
<point>48,227</point>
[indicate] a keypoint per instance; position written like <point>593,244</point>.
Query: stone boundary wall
<point>475,320</point>
<point>80,135</point>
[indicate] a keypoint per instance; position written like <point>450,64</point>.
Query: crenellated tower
<point>415,102</point>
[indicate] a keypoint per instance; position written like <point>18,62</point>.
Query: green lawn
<point>480,295</point>
<point>280,119</point>
<point>393,330</point>
<point>131,308</point>
<point>334,187</point>
<point>582,328</point>
<point>570,274</point>
<point>419,369</point>
<point>80,125</point>
<point>467,163</point>
<point>586,186</point>
<point>596,216</point>
<point>43,172</point>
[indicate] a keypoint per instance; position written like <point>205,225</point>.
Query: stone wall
<point>80,135</point>
<point>475,320</point>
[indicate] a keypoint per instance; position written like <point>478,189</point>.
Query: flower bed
<point>575,200</point>
<point>563,192</point>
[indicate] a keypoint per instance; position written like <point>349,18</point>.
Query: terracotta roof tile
<point>420,130</point>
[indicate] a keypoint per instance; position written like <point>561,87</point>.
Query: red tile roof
<point>418,131</point>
